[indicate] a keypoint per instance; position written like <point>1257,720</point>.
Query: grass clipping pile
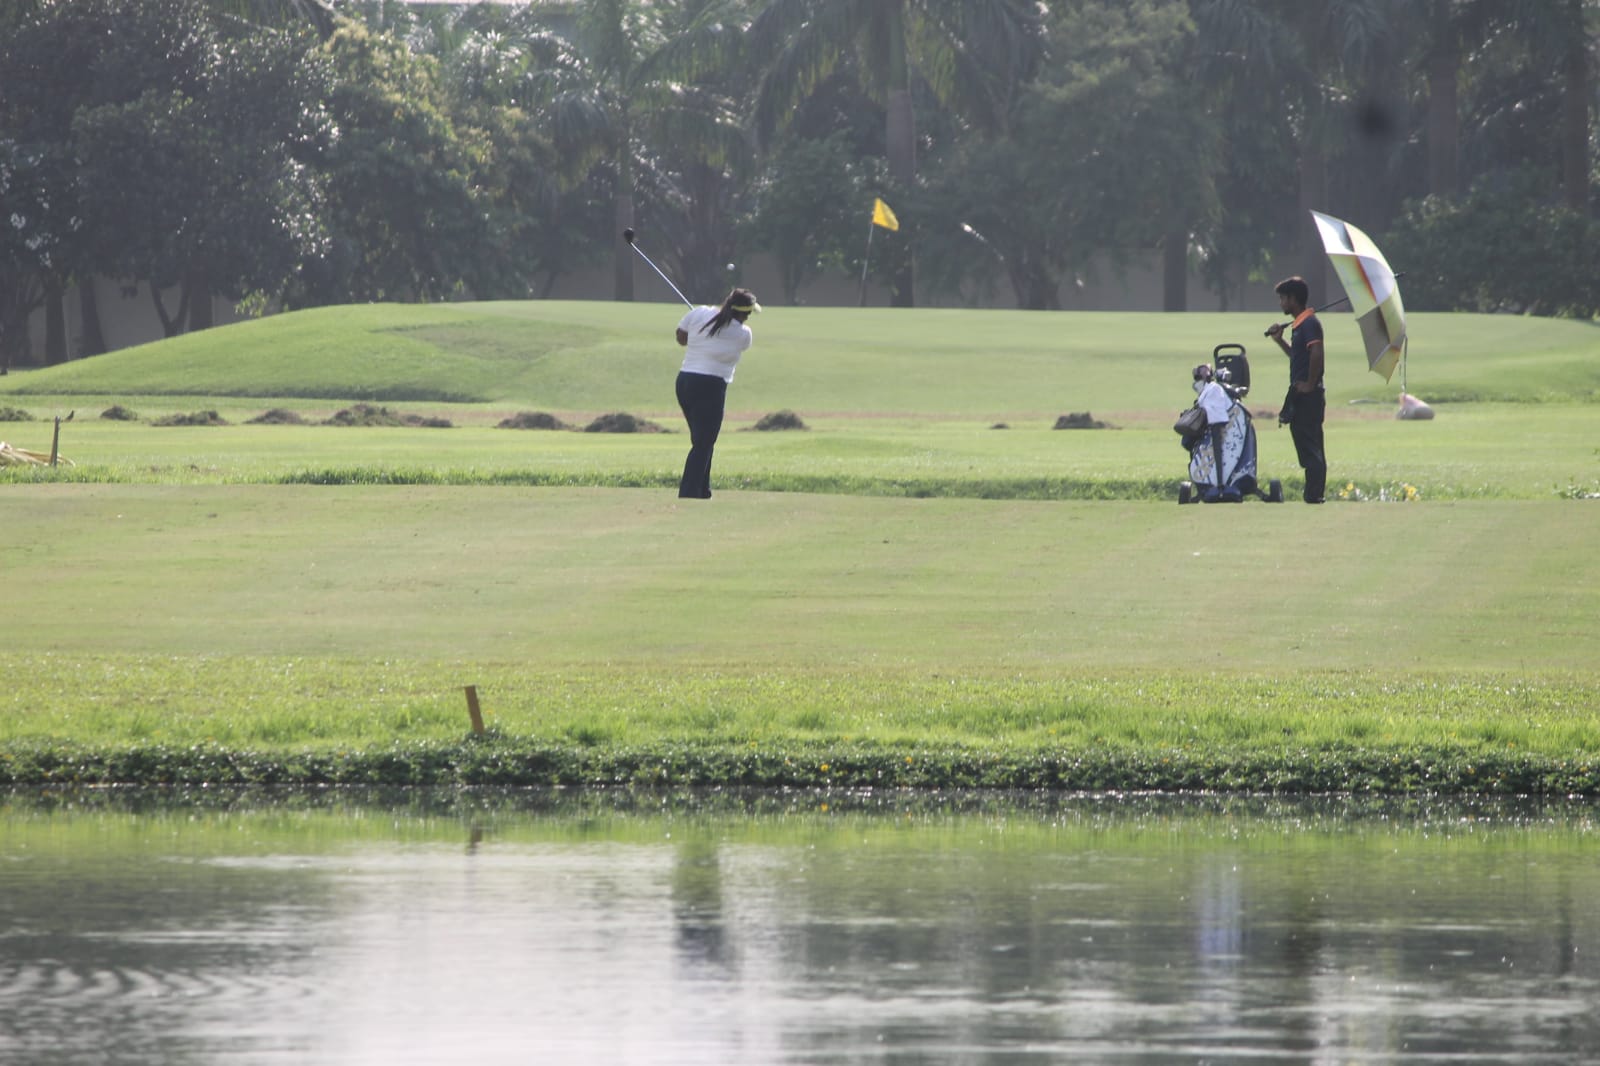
<point>12,456</point>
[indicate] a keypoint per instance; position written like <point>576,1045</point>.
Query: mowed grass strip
<point>285,618</point>
<point>1472,451</point>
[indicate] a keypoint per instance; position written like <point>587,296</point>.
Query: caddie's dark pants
<point>1305,425</point>
<point>702,398</point>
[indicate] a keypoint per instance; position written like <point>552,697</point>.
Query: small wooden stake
<point>55,442</point>
<point>472,709</point>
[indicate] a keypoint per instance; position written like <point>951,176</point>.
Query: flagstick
<point>865,259</point>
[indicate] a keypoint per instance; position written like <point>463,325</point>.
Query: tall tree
<point>200,181</point>
<point>541,221</point>
<point>1238,66</point>
<point>972,55</point>
<point>402,212</point>
<point>280,14</point>
<point>624,85</point>
<point>803,213</point>
<point>1576,104</point>
<point>1317,50</point>
<point>58,60</point>
<point>1110,149</point>
<point>1444,38</point>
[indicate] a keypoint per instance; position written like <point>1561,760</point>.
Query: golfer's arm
<point>683,339</point>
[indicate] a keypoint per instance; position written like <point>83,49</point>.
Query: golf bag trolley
<point>1231,370</point>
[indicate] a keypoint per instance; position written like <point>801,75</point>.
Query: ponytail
<point>737,306</point>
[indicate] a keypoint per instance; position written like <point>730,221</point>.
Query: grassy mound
<point>621,422</point>
<point>365,414</point>
<point>532,420</point>
<point>779,420</point>
<point>593,356</point>
<point>193,418</point>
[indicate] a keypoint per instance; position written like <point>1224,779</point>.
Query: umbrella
<point>1370,287</point>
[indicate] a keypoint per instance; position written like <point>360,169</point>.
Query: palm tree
<point>626,84</point>
<point>1493,45</point>
<point>1557,36</point>
<point>971,55</point>
<point>280,14</point>
<point>1315,50</point>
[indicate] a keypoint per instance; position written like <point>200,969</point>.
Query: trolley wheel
<point>1186,493</point>
<point>1274,491</point>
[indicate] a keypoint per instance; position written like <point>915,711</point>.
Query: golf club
<point>627,235</point>
<point>1336,303</point>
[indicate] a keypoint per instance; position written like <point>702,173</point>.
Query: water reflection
<point>793,928</point>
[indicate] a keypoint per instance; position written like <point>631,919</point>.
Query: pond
<point>557,927</point>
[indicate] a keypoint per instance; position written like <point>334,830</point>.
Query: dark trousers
<point>702,398</point>
<point>1305,425</point>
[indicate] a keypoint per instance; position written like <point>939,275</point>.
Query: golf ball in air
<point>730,267</point>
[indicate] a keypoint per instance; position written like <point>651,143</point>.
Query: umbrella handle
<point>1342,300</point>
<point>1324,307</point>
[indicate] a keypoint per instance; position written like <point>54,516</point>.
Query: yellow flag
<point>882,216</point>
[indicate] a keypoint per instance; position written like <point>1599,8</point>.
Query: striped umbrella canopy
<point>1371,288</point>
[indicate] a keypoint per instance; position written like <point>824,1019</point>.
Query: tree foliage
<point>204,180</point>
<point>302,152</point>
<point>1502,247</point>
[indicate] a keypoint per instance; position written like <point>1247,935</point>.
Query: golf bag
<point>1232,372</point>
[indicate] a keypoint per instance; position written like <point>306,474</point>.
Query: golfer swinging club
<point>715,338</point>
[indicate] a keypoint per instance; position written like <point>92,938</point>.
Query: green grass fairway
<point>355,615</point>
<point>561,578</point>
<point>904,593</point>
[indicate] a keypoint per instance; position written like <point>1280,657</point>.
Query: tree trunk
<point>622,261</point>
<point>900,142</point>
<point>197,293</point>
<point>1175,270</point>
<point>92,340</point>
<point>1575,114</point>
<point>55,323</point>
<point>18,298</point>
<point>171,325</point>
<point>1313,197</point>
<point>1041,292</point>
<point>1444,108</point>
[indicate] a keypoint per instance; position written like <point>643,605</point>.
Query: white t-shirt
<point>1216,402</point>
<point>714,355</point>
